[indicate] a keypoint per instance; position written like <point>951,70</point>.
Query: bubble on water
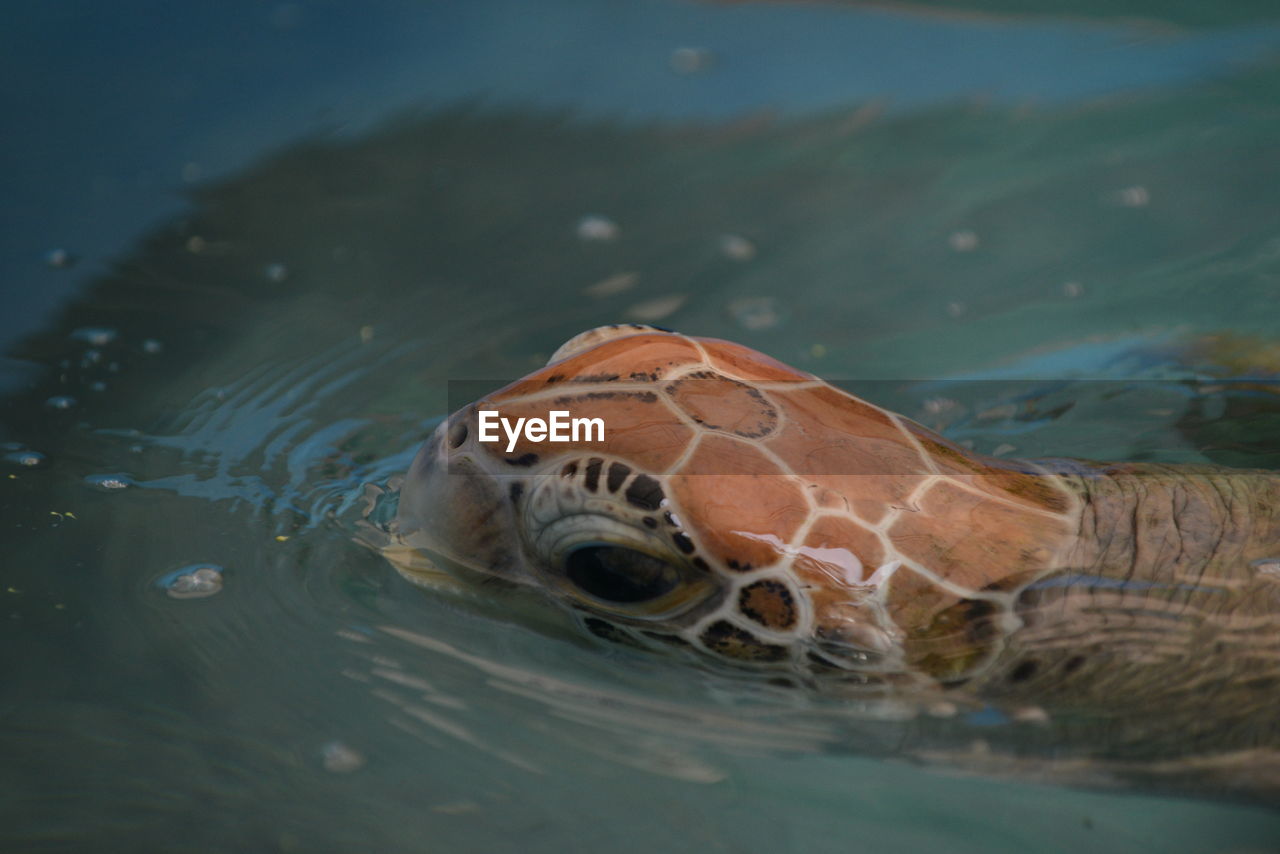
<point>338,758</point>
<point>1132,197</point>
<point>193,582</point>
<point>963,241</point>
<point>59,259</point>
<point>691,60</point>
<point>98,386</point>
<point>1030,715</point>
<point>1072,289</point>
<point>940,405</point>
<point>735,247</point>
<point>26,459</point>
<point>754,313</point>
<point>152,347</point>
<point>956,309</point>
<point>90,357</point>
<point>97,336</point>
<point>657,309</point>
<point>276,272</point>
<point>110,482</point>
<point>596,227</point>
<point>612,286</point>
<point>61,401</point>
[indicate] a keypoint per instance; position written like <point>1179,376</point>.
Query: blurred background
<point>244,246</point>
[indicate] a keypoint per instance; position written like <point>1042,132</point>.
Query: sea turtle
<point>753,513</point>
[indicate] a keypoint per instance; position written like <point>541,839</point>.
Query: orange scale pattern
<point>745,364</point>
<point>718,403</point>
<point>992,475</point>
<point>985,538</point>
<point>740,505</point>
<point>830,535</point>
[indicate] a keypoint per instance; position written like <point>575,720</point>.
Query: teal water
<point>293,232</point>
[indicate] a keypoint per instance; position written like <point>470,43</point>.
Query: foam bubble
<point>193,582</point>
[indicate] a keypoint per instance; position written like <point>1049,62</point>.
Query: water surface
<point>243,345</point>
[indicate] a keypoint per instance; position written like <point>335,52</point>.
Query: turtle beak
<point>451,508</point>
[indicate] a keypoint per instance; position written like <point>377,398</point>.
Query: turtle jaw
<point>456,514</point>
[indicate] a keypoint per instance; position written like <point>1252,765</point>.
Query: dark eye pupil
<point>618,574</point>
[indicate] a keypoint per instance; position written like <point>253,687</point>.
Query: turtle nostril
<point>457,434</point>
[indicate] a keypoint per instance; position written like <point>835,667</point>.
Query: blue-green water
<point>291,225</point>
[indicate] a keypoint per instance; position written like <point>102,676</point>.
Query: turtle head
<point>623,518</point>
<point>671,490</point>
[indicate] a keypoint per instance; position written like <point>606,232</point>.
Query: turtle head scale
<point>733,505</point>
<point>585,341</point>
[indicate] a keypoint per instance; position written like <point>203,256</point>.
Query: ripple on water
<point>25,458</point>
<point>276,439</point>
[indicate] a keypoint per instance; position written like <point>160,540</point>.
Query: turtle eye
<point>620,574</point>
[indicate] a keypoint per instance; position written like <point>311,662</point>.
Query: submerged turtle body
<point>752,512</point>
